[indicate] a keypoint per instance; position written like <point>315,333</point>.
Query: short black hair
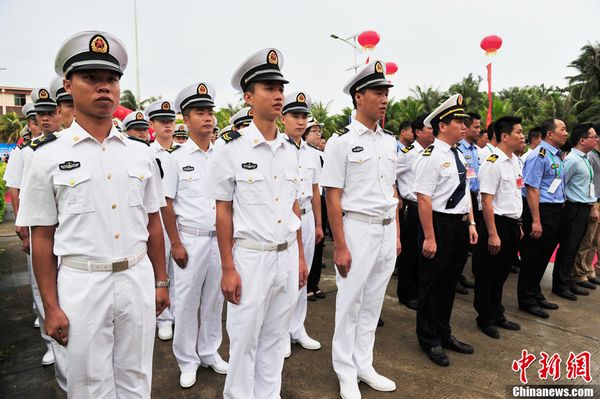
<point>534,133</point>
<point>472,116</point>
<point>436,126</point>
<point>418,123</point>
<point>580,131</point>
<point>361,91</point>
<point>548,125</point>
<point>404,125</point>
<point>505,125</point>
<point>490,130</point>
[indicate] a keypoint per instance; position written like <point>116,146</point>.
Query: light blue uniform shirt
<point>472,157</point>
<point>399,146</point>
<point>540,171</point>
<point>578,176</point>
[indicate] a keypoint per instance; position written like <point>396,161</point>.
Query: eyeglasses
<point>592,137</point>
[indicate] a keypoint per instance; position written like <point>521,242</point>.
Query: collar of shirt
<point>549,147</point>
<point>502,155</point>
<point>155,145</point>
<point>191,146</point>
<point>466,144</point>
<point>442,145</point>
<point>417,147</point>
<point>576,151</point>
<point>79,134</point>
<point>256,137</point>
<point>360,128</point>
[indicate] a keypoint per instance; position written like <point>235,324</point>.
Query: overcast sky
<point>434,43</point>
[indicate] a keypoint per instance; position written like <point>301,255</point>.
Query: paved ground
<point>485,374</point>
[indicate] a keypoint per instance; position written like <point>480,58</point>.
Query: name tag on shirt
<point>592,190</point>
<point>520,182</point>
<point>554,186</point>
<point>471,173</point>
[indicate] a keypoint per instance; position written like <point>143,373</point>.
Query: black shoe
<point>594,280</point>
<point>438,356</point>
<point>311,297</point>
<point>320,294</point>
<point>467,284</point>
<point>514,269</point>
<point>412,304</point>
<point>490,331</point>
<point>380,323</point>
<point>455,345</point>
<point>461,290</point>
<point>586,284</point>
<point>566,294</point>
<point>537,311</point>
<point>578,291</point>
<point>544,304</point>
<point>508,325</point>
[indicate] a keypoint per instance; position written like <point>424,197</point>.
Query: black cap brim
<point>97,66</point>
<point>269,77</point>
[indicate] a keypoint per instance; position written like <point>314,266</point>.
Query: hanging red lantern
<point>368,39</point>
<point>391,68</point>
<point>491,44</point>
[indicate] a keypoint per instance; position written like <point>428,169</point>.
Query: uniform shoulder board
<point>230,136</point>
<point>23,144</point>
<point>427,151</point>
<point>542,152</point>
<point>139,140</point>
<point>407,148</point>
<point>343,131</point>
<point>492,158</point>
<point>35,144</point>
<point>292,142</point>
<point>172,148</point>
<point>388,132</point>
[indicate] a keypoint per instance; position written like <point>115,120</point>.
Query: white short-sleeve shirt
<point>405,170</point>
<point>14,168</point>
<point>99,194</point>
<point>309,169</point>
<point>362,162</point>
<point>498,176</point>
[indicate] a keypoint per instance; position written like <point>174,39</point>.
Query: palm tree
<point>586,84</point>
<point>10,127</point>
<point>128,100</point>
<point>429,97</point>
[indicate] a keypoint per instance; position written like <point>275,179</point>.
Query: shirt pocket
<point>74,192</point>
<point>291,187</point>
<point>359,166</point>
<point>138,176</point>
<point>190,184</point>
<point>250,188</point>
<point>389,166</point>
<point>507,185</point>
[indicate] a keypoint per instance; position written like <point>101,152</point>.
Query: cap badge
<point>301,98</point>
<point>181,128</point>
<point>98,44</point>
<point>139,116</point>
<point>378,67</point>
<point>43,94</point>
<point>272,57</point>
<point>459,100</point>
<point>115,123</point>
<point>166,106</point>
<point>251,112</point>
<point>202,89</point>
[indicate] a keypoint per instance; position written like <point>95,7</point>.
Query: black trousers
<point>575,222</point>
<point>537,253</point>
<point>407,263</point>
<point>438,277</point>
<point>478,217</point>
<point>494,270</point>
<point>314,277</point>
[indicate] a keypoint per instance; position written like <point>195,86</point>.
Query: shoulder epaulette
<point>427,152</point>
<point>24,144</point>
<point>542,152</point>
<point>172,148</point>
<point>292,142</point>
<point>230,136</point>
<point>343,131</point>
<point>492,158</point>
<point>35,144</point>
<point>388,132</point>
<point>407,148</point>
<point>139,140</point>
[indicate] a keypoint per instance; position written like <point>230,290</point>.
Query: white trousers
<point>297,329</point>
<point>166,317</point>
<point>199,310</point>
<point>360,296</point>
<point>257,325</point>
<point>111,331</point>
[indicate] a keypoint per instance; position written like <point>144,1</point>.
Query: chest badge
<point>249,165</point>
<point>188,168</point>
<point>357,149</point>
<point>446,165</point>
<point>69,165</point>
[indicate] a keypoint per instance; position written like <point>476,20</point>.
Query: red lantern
<point>391,68</point>
<point>368,39</point>
<point>491,44</point>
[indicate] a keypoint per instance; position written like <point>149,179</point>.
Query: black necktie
<point>459,193</point>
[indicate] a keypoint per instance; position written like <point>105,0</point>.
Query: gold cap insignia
<point>460,100</point>
<point>202,89</point>
<point>115,122</point>
<point>251,112</point>
<point>139,116</point>
<point>301,98</point>
<point>98,44</point>
<point>272,57</point>
<point>166,106</point>
<point>181,128</point>
<point>378,67</point>
<point>43,94</point>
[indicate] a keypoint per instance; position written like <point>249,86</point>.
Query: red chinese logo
<point>579,366</point>
<point>521,365</point>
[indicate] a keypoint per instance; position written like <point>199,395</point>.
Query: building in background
<point>13,98</point>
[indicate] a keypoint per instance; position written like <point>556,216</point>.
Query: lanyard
<point>558,169</point>
<point>587,163</point>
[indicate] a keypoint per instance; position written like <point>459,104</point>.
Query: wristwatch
<point>472,223</point>
<point>163,283</point>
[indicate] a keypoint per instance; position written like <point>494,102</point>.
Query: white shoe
<point>48,358</point>
<point>220,366</point>
<point>308,343</point>
<point>36,323</point>
<point>165,332</point>
<point>349,390</point>
<point>187,380</point>
<point>288,348</point>
<point>378,382</point>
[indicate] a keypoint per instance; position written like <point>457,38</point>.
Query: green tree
<point>469,88</point>
<point>128,100</point>
<point>585,85</point>
<point>223,114</point>
<point>10,127</point>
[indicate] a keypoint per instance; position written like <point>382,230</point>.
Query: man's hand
<point>19,231</point>
<point>473,236</point>
<point>429,248</point>
<point>162,299</point>
<point>179,254</point>
<point>25,245</point>
<point>56,325</point>
<point>342,260</point>
<point>319,235</point>
<point>231,285</point>
<point>536,230</point>
<point>494,244</point>
<point>398,246</point>
<point>303,274</point>
<point>594,214</point>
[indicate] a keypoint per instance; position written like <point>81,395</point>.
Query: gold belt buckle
<point>282,246</point>
<point>387,221</point>
<point>120,266</point>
